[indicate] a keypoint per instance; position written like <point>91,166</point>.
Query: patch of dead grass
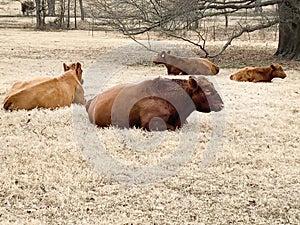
<point>45,178</point>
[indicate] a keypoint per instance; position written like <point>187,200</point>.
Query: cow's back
<point>253,74</point>
<point>40,93</point>
<point>21,85</point>
<point>117,106</point>
<point>245,74</point>
<point>99,108</point>
<point>198,66</point>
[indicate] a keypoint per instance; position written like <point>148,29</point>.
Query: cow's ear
<point>273,66</point>
<point>168,52</point>
<point>78,70</point>
<point>192,84</point>
<point>66,68</point>
<point>77,66</point>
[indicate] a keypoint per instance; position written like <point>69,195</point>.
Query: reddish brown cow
<point>259,74</point>
<point>186,66</point>
<point>157,104</point>
<point>47,92</point>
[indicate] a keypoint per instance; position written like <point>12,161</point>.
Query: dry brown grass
<point>47,180</point>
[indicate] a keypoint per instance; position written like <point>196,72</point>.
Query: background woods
<point>187,20</point>
<point>195,22</point>
<point>58,12</point>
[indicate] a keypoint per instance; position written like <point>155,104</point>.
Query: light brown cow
<point>259,74</point>
<point>47,92</point>
<point>157,104</point>
<point>186,66</point>
<point>72,66</point>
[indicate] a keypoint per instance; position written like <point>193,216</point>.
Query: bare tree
<point>75,14</point>
<point>81,10</point>
<point>62,14</point>
<point>51,7</point>
<point>68,13</point>
<point>40,14</point>
<point>172,17</point>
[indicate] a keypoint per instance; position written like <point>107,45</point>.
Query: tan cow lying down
<point>186,66</point>
<point>47,92</point>
<point>157,104</point>
<point>259,74</point>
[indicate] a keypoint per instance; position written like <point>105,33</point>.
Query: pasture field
<point>46,158</point>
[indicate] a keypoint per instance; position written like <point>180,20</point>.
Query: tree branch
<point>243,30</point>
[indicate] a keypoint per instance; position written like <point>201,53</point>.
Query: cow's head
<point>161,57</point>
<point>204,94</point>
<point>277,71</point>
<point>77,68</point>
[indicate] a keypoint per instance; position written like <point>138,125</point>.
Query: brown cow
<point>72,66</point>
<point>47,92</point>
<point>157,104</point>
<point>259,74</point>
<point>186,66</point>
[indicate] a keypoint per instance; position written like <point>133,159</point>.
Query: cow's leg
<point>155,121</point>
<point>155,117</point>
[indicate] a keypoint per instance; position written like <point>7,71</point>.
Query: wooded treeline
<point>63,10</point>
<point>176,18</point>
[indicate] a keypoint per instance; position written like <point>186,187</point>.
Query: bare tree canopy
<point>176,17</point>
<point>62,9</point>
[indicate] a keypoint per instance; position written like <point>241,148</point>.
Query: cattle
<point>259,74</point>
<point>186,65</point>
<point>47,92</point>
<point>158,104</point>
<point>27,7</point>
<point>72,66</point>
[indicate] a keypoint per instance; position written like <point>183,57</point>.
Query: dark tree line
<point>175,17</point>
<point>46,8</point>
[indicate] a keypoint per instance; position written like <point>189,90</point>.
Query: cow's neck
<point>184,85</point>
<point>269,73</point>
<point>70,78</point>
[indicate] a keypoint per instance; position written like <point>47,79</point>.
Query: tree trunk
<point>81,10</point>
<point>43,13</point>
<point>75,14</point>
<point>62,13</point>
<point>51,7</point>
<point>39,15</point>
<point>68,14</point>
<point>289,30</point>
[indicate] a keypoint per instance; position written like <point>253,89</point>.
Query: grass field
<point>57,168</point>
<point>47,177</point>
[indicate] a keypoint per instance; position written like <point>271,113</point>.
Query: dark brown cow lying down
<point>47,92</point>
<point>157,104</point>
<point>259,74</point>
<point>186,66</point>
